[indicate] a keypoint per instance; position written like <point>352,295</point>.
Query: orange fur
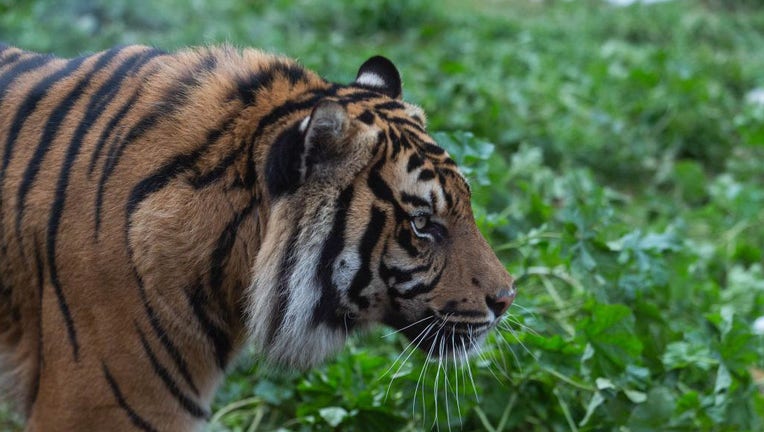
<point>142,244</point>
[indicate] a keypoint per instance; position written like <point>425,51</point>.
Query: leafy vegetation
<point>617,158</point>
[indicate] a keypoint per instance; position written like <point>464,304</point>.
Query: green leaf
<point>691,352</point>
<point>594,403</point>
<point>655,413</point>
<point>610,332</point>
<point>333,415</point>
<point>635,396</point>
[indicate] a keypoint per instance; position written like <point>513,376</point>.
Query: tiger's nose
<point>501,301</point>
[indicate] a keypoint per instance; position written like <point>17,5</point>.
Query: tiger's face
<point>426,268</point>
<point>385,231</point>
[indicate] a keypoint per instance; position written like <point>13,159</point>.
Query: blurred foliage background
<point>617,157</point>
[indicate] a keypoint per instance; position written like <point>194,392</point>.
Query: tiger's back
<point>158,210</point>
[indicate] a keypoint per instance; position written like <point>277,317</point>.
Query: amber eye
<point>420,223</point>
<point>425,228</point>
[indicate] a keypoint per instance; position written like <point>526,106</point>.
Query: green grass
<point>618,171</point>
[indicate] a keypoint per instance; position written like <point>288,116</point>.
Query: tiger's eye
<point>420,222</point>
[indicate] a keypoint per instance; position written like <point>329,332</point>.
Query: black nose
<point>501,301</point>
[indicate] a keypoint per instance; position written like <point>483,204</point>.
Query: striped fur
<point>160,210</point>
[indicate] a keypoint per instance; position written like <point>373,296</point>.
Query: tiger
<point>160,211</point>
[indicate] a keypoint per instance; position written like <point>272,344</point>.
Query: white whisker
<point>403,352</point>
<point>512,332</point>
<point>437,374</point>
<point>469,371</point>
<point>421,374</point>
<point>408,326</point>
<point>456,376</point>
<point>529,311</point>
<point>422,336</point>
<point>446,385</point>
<point>508,321</point>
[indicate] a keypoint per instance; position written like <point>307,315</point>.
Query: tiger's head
<point>369,221</point>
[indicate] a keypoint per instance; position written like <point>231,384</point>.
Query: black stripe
<point>170,170</point>
<point>454,174</point>
<point>248,87</point>
<point>281,111</point>
<point>405,140</point>
<point>127,69</point>
<point>6,80</point>
<point>382,191</point>
<point>420,288</point>
<point>404,239</point>
<point>135,419</point>
<point>158,180</point>
<point>367,117</point>
<point>29,105</point>
<point>27,108</point>
<point>180,93</point>
<point>187,403</point>
<point>224,246</point>
<point>389,106</point>
<point>107,131</point>
<point>414,200</point>
<point>369,240</point>
<point>220,338</point>
<point>288,262</point>
<point>160,332</point>
<point>16,71</point>
<point>172,100</point>
<point>432,149</point>
<point>282,168</point>
<point>395,140</point>
<point>397,274</point>
<point>203,180</point>
<point>415,161</point>
<point>57,118</point>
<point>426,175</point>
<point>452,308</point>
<point>434,199</point>
<point>40,267</point>
<point>327,310</point>
<point>449,199</point>
<point>11,58</point>
<point>401,121</point>
<point>378,186</point>
<point>218,259</point>
<point>54,121</point>
<point>269,119</point>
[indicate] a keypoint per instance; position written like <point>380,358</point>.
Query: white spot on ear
<point>371,79</point>
<point>304,124</point>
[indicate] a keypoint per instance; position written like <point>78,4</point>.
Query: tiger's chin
<point>442,338</point>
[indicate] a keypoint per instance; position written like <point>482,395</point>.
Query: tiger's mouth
<point>438,336</point>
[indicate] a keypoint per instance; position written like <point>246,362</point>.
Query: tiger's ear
<point>325,133</point>
<point>317,148</point>
<point>380,75</point>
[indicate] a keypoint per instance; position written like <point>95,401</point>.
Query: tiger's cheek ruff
<point>296,305</point>
<point>285,291</point>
